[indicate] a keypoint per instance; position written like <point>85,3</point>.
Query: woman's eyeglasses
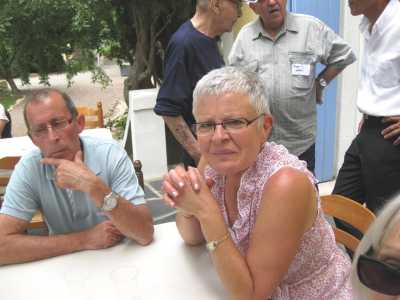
<point>230,125</point>
<point>377,275</point>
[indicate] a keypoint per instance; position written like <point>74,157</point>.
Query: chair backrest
<point>94,117</point>
<point>7,165</point>
<point>351,212</point>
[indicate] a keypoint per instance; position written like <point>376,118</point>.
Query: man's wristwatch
<point>322,82</point>
<point>110,201</point>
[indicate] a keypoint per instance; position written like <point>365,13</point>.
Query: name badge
<point>301,69</point>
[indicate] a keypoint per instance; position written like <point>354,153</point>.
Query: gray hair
<point>43,94</point>
<point>202,4</point>
<point>376,235</point>
<point>233,80</point>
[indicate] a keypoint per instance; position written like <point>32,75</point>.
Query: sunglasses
<point>377,275</point>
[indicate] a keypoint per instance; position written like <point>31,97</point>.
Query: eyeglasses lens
<point>379,276</point>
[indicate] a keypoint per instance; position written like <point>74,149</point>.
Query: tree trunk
<point>139,74</point>
<point>13,86</point>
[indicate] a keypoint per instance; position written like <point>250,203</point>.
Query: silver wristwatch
<point>322,82</point>
<point>110,201</point>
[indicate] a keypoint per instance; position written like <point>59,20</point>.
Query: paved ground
<point>83,92</point>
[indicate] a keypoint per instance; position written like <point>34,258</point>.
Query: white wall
<point>347,113</point>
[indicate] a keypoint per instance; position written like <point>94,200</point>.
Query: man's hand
<point>101,236</point>
<point>72,175</point>
<point>393,130</point>
<point>319,91</point>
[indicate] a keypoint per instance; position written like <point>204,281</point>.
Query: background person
<point>376,264</point>
<point>192,52</point>
<point>261,219</point>
<point>371,169</point>
<point>284,48</point>
<point>85,187</point>
<point>5,123</point>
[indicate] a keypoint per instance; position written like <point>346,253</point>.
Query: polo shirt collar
<point>288,25</point>
<point>89,160</point>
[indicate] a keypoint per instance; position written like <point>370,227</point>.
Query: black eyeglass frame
<point>366,262</point>
<point>223,124</point>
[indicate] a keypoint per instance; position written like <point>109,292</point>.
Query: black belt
<point>373,121</point>
<point>372,118</point>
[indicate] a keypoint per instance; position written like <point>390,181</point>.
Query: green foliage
<point>7,98</point>
<point>35,35</point>
<point>117,126</point>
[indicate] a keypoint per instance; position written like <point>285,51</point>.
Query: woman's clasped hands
<point>187,190</point>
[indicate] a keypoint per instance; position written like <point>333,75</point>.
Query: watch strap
<point>213,244</point>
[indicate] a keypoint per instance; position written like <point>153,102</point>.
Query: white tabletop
<point>166,269</point>
<point>18,146</point>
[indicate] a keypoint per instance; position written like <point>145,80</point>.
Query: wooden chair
<point>94,117</point>
<point>351,212</point>
<point>7,165</point>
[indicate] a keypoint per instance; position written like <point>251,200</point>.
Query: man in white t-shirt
<point>371,170</point>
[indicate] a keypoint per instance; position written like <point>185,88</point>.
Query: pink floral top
<point>320,270</point>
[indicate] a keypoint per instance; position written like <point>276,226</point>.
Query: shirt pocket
<point>302,69</point>
<point>387,74</point>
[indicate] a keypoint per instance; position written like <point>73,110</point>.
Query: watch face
<point>322,82</point>
<point>110,201</point>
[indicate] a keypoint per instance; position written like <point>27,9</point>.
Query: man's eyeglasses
<point>230,125</point>
<point>377,275</point>
<point>55,125</point>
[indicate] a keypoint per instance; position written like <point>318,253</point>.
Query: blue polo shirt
<point>32,187</point>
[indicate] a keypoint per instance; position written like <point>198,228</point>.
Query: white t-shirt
<point>379,91</point>
<point>3,113</point>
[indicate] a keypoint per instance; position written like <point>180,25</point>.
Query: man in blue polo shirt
<point>86,188</point>
<point>192,52</point>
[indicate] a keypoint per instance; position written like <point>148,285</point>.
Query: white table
<point>166,269</point>
<point>18,146</point>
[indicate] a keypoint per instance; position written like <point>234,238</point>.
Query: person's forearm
<point>329,73</point>
<point>134,222</point>
<point>183,135</point>
<point>19,248</point>
<point>189,229</point>
<point>231,266</point>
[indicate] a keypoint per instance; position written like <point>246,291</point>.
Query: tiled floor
<point>161,212</point>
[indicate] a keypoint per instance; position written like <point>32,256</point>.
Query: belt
<point>372,118</point>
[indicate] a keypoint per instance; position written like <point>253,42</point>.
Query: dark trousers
<point>371,169</point>
<point>309,157</point>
